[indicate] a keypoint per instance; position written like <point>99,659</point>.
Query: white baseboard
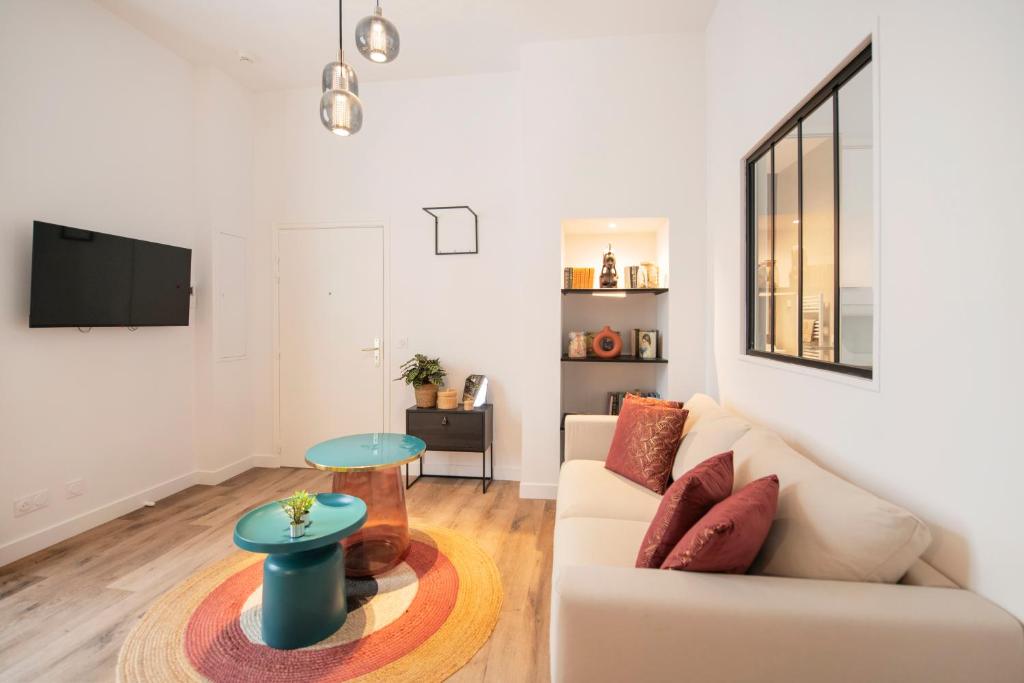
<point>44,538</point>
<point>541,491</point>
<point>265,460</point>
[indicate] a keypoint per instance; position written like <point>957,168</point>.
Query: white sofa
<point>851,622</point>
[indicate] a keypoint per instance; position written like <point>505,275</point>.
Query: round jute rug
<point>421,621</point>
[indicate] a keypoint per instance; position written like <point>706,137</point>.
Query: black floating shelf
<point>649,290</point>
<point>619,359</point>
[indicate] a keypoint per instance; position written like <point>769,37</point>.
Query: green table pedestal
<point>303,578</point>
<point>303,597</point>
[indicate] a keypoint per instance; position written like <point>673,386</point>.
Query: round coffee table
<point>369,466</point>
<point>303,578</point>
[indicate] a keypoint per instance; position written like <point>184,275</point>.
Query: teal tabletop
<point>332,517</point>
<point>365,452</point>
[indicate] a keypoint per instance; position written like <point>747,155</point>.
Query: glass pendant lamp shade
<point>377,38</point>
<point>340,76</point>
<point>341,112</point>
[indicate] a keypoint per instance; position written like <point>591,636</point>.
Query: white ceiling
<point>291,40</point>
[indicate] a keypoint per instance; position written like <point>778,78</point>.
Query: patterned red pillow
<point>728,538</point>
<point>687,500</point>
<point>645,444</point>
<point>649,401</point>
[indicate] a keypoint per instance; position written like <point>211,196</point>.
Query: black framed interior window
<point>810,230</point>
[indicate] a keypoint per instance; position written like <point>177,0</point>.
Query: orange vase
<point>607,343</point>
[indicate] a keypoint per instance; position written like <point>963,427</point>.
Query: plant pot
<point>426,396</point>
<point>297,530</point>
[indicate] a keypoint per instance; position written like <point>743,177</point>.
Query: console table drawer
<point>448,430</point>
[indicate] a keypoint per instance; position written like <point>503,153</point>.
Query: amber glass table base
<point>384,539</point>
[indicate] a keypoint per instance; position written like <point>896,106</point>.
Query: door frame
<point>385,229</point>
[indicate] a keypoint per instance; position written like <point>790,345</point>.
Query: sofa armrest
<point>618,624</point>
<point>587,437</point>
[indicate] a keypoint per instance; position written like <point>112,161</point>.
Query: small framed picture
<point>476,390</point>
<point>647,345</point>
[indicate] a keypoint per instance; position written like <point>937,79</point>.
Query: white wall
<point>939,435</point>
<point>612,127</point>
<point>434,142</point>
<point>226,389</point>
<point>102,128</point>
<point>97,132</point>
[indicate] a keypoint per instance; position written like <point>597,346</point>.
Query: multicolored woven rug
<point>422,621</point>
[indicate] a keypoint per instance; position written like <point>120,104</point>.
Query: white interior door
<point>330,319</point>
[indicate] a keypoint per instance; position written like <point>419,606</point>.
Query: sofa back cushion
<point>697,405</point>
<point>715,431</point>
<point>825,527</point>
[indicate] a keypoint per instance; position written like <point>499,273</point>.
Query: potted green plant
<point>425,375</point>
<point>297,508</point>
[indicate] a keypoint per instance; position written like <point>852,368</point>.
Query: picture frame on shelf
<point>647,344</point>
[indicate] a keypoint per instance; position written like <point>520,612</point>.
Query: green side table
<point>303,578</point>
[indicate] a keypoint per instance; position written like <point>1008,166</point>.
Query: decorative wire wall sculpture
<point>457,233</point>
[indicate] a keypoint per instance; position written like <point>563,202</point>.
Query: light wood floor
<point>64,611</point>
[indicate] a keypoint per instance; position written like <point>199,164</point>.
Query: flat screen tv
<point>84,278</point>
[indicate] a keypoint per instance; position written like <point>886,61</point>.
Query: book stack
<point>616,398</point>
<point>578,278</point>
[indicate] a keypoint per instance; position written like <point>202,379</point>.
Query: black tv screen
<point>84,278</point>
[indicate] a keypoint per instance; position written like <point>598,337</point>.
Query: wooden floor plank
<point>66,609</point>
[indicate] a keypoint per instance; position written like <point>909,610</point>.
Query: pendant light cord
<point>341,32</point>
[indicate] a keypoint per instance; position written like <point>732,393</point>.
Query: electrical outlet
<point>74,488</point>
<point>31,503</point>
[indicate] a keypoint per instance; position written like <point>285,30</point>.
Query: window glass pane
<point>787,256</point>
<point>856,221</point>
<point>818,222</point>
<point>761,187</point>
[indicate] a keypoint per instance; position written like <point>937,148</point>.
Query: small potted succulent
<point>297,508</point>
<point>425,375</point>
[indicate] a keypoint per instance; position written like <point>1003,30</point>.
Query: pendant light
<point>341,112</point>
<point>377,38</point>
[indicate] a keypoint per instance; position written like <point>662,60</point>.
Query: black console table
<point>459,430</point>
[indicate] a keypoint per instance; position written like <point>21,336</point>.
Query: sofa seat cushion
<point>587,489</point>
<point>825,527</point>
<point>590,541</point>
<point>714,432</point>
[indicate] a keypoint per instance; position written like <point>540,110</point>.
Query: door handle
<point>376,351</point>
<point>444,420</point>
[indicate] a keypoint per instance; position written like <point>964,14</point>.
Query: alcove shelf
<point>586,383</point>
<point>618,359</point>
<point>609,291</point>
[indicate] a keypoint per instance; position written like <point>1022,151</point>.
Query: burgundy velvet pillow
<point>687,500</point>
<point>728,538</point>
<point>649,401</point>
<point>645,444</point>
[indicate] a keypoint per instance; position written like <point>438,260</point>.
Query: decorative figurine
<point>609,276</point>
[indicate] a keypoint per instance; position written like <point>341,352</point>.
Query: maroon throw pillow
<point>729,536</point>
<point>645,444</point>
<point>650,401</point>
<point>687,500</point>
